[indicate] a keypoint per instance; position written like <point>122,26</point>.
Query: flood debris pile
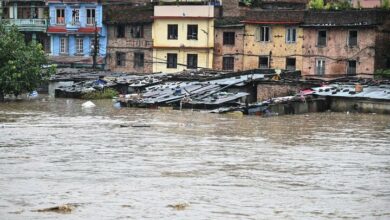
<point>191,94</point>
<point>63,209</point>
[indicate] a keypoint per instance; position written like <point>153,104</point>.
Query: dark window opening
<point>290,64</point>
<point>192,32</point>
<point>60,16</point>
<point>172,31</point>
<point>228,38</point>
<point>352,39</point>
<point>320,67</point>
<point>138,60</point>
<point>172,60</point>
<point>263,62</point>
<point>120,31</point>
<point>321,38</point>
<point>120,59</point>
<point>228,63</point>
<point>137,31</point>
<point>91,16</point>
<point>264,34</point>
<point>192,61</point>
<point>351,67</point>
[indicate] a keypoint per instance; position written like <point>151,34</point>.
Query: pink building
<point>339,43</point>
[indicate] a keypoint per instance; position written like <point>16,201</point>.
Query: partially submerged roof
<point>348,91</point>
<point>127,14</point>
<point>348,18</point>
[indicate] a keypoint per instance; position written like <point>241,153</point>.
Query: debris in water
<point>123,126</point>
<point>88,104</point>
<point>67,208</point>
<point>179,206</point>
<point>140,126</point>
<point>126,206</point>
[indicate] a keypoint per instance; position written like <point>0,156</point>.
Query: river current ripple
<point>315,166</point>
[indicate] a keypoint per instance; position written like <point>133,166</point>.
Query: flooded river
<point>316,166</point>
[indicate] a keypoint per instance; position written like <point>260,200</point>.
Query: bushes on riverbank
<point>104,94</point>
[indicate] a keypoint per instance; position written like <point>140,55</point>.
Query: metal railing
<point>26,22</point>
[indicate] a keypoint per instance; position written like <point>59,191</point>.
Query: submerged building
<point>76,32</point>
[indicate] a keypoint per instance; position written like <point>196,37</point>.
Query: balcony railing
<point>139,43</point>
<point>27,24</point>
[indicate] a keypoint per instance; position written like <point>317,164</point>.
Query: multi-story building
<point>339,43</point>
<point>183,37</point>
<point>273,39</point>
<point>129,30</point>
<point>31,18</point>
<point>73,28</point>
<point>228,44</point>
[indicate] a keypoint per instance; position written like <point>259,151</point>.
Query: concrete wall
<point>236,50</point>
<point>130,45</point>
<point>339,104</point>
<point>184,11</point>
<point>337,52</point>
<point>277,44</point>
<point>267,91</point>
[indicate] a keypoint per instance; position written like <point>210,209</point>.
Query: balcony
<point>39,25</point>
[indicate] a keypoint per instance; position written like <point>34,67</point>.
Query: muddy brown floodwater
<point>190,164</point>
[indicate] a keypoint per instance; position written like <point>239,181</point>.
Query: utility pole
<point>95,46</point>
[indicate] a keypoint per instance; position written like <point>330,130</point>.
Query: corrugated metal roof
<point>348,91</point>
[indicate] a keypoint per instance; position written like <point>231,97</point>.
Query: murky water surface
<point>317,166</point>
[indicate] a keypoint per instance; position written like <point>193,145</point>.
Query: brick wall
<point>221,50</point>
<point>267,91</point>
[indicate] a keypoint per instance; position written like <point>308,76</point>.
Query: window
<point>93,46</point>
<point>172,60</point>
<point>75,16</point>
<point>120,31</point>
<point>192,61</point>
<point>228,38</point>
<point>228,63</point>
<point>352,38</point>
<point>263,62</point>
<point>192,32</point>
<point>351,70</point>
<point>138,60</point>
<point>91,16</point>
<point>137,31</point>
<point>264,34</point>
<point>320,67</point>
<point>172,31</point>
<point>63,45</point>
<point>60,16</point>
<point>120,59</point>
<point>79,45</point>
<point>291,35</point>
<point>290,64</point>
<point>321,42</point>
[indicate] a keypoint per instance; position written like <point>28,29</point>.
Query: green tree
<point>21,64</point>
<point>316,4</point>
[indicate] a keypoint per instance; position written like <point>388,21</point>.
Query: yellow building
<point>273,40</point>
<point>183,38</point>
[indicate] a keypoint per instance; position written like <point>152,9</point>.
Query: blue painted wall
<point>87,38</point>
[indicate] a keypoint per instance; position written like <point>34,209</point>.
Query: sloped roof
<point>273,16</point>
<point>344,17</point>
<point>127,14</point>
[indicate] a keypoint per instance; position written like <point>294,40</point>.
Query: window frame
<point>193,59</point>
<point>172,64</point>
<point>79,47</point>
<point>120,59</point>
<point>140,31</point>
<point>192,32</point>
<point>91,19</point>
<point>349,68</point>
<point>174,28</point>
<point>325,38</point>
<point>75,19</point>
<point>265,36</point>
<point>64,45</point>
<point>320,70</point>
<point>139,60</point>
<point>120,31</point>
<point>62,20</point>
<point>229,38</point>
<point>228,63</point>
<point>260,63</point>
<point>349,38</point>
<point>295,63</point>
<point>291,35</point>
